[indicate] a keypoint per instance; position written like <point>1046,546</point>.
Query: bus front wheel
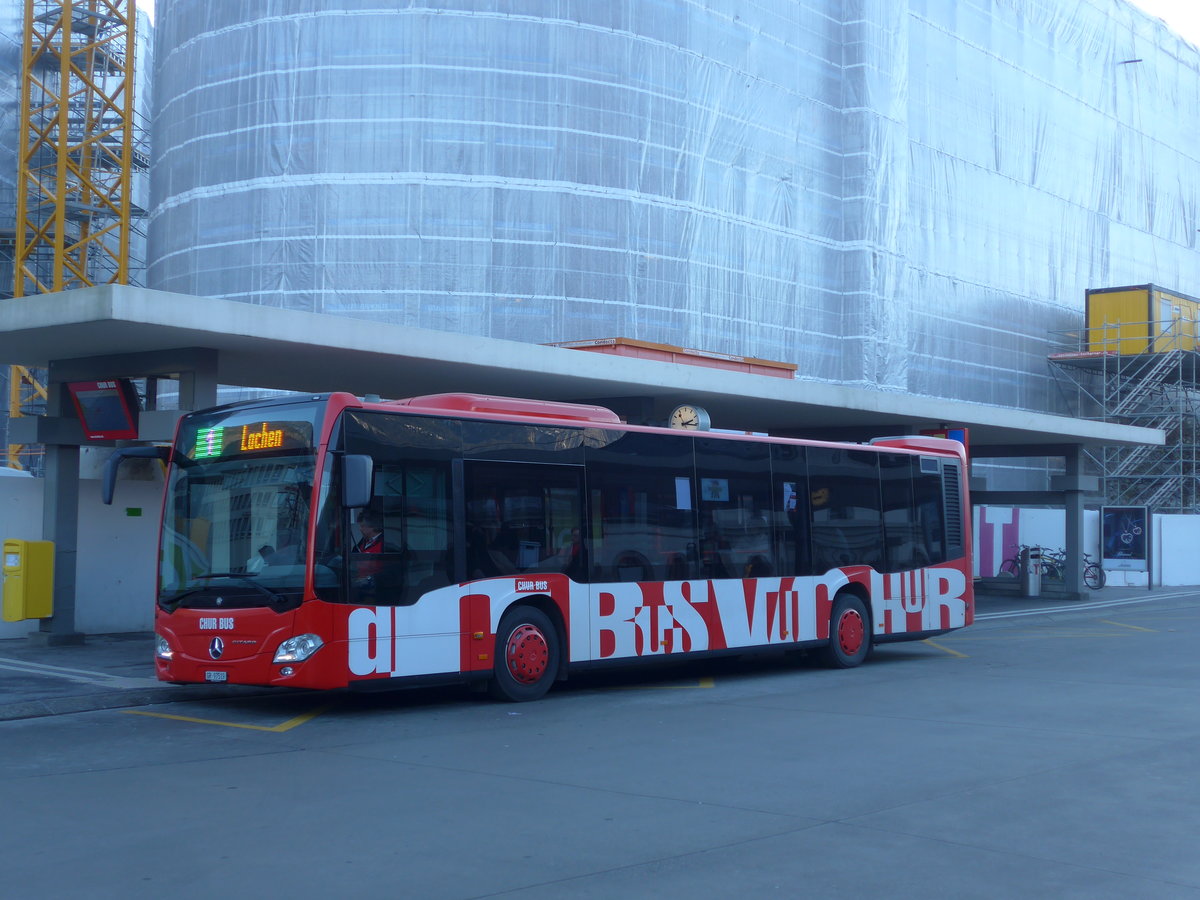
<point>849,633</point>
<point>527,654</point>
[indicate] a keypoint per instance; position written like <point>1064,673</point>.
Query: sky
<point>1182,15</point>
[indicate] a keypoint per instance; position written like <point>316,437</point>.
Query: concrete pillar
<point>1074,485</point>
<point>60,524</point>
<point>198,385</point>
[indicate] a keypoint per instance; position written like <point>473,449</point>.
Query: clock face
<point>691,417</point>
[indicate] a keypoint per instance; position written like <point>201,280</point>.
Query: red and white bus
<point>524,540</point>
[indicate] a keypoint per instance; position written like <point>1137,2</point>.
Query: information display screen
<point>107,409</point>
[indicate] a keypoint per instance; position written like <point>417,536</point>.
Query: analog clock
<point>690,417</point>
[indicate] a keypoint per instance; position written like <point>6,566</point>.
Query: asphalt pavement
<point>106,671</point>
<point>115,671</point>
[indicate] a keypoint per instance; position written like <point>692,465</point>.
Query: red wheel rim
<point>850,632</point>
<point>527,654</point>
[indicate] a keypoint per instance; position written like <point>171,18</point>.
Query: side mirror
<point>358,475</point>
<point>108,486</point>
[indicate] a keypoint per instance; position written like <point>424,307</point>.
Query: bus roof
<point>511,406</point>
<point>486,406</point>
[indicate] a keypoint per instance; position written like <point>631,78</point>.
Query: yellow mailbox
<point>28,580</point>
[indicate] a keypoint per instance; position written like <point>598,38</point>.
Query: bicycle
<point>1054,564</point>
<point>1013,566</point>
<point>1093,573</point>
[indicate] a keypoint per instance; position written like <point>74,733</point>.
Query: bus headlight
<point>299,648</point>
<point>162,649</point>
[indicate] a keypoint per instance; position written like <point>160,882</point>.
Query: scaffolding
<point>1152,383</point>
<point>78,154</point>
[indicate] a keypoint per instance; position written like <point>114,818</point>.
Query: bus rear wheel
<point>849,633</point>
<point>527,655</point>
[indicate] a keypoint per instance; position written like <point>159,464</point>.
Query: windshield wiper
<point>247,577</point>
<point>177,600</point>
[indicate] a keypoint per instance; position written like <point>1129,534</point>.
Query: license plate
<point>216,676</point>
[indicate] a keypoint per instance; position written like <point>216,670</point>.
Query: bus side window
<point>523,518</point>
<point>905,545</point>
<point>846,516</point>
<point>734,478</point>
<point>930,520</point>
<point>643,509</point>
<point>791,514</point>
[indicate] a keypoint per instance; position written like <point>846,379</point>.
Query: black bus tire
<point>527,656</point>
<point>849,633</point>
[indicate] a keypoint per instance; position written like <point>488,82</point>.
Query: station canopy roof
<point>263,347</point>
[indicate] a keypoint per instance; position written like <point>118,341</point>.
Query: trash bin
<point>1031,571</point>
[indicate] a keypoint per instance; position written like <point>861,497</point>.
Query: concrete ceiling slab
<point>282,349</point>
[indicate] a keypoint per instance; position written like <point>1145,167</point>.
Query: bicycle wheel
<point>1010,568</point>
<point>1094,577</point>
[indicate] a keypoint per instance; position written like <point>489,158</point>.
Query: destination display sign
<point>249,438</point>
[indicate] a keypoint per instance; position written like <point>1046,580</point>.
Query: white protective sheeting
<point>907,194</point>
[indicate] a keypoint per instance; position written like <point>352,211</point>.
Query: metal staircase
<point>1157,389</point>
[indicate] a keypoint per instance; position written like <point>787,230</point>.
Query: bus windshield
<point>237,507</point>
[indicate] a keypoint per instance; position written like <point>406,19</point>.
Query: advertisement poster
<point>1125,533</point>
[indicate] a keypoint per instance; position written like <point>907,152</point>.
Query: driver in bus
<point>370,526</point>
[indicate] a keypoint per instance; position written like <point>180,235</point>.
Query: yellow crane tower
<point>76,159</point>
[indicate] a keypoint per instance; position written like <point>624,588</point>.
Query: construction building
<point>910,197</point>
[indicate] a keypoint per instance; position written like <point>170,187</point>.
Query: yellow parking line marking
<point>283,726</point>
<point>945,649</point>
<point>1123,625</point>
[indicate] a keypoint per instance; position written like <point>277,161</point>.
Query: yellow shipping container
<point>1141,319</point>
